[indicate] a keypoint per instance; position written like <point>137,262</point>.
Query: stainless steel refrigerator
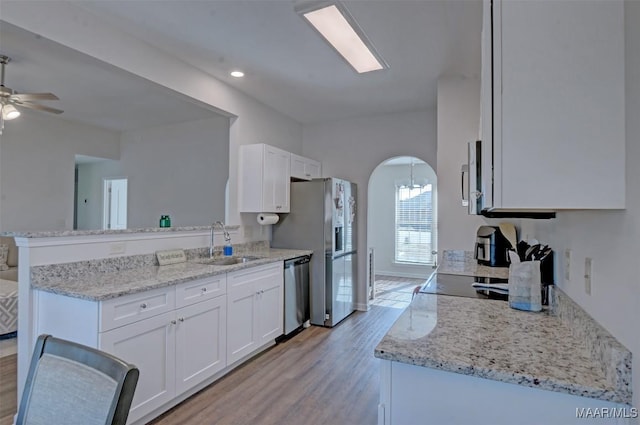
<point>322,218</point>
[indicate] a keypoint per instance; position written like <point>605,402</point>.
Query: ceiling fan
<point>9,99</point>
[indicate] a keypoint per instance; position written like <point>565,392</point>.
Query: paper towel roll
<point>267,218</point>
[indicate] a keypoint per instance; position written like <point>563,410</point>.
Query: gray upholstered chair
<point>69,383</point>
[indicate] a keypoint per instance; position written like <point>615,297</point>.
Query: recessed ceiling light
<point>237,74</point>
<point>341,31</point>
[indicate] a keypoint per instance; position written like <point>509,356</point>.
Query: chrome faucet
<point>227,236</point>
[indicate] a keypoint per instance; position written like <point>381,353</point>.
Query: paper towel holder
<point>265,219</point>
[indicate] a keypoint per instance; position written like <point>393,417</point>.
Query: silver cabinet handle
<point>181,319</point>
<point>463,171</point>
<point>203,290</point>
<point>143,306</point>
<point>173,322</point>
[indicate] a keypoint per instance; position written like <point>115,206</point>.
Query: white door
<point>150,345</point>
<point>201,342</point>
<point>270,309</point>
<point>115,203</point>
<point>241,331</point>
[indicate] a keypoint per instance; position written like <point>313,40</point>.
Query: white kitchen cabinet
<point>201,342</point>
<point>409,394</point>
<point>175,335</point>
<point>305,168</point>
<point>254,309</point>
<point>553,105</point>
<point>150,345</point>
<point>264,179</point>
<point>174,351</point>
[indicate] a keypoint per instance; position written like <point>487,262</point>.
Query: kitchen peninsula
<point>467,360</point>
<point>184,325</point>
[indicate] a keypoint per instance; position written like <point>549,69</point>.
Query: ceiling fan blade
<point>26,97</point>
<point>40,107</point>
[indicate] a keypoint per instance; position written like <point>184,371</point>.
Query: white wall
<point>382,214</point>
<point>611,238</point>
<point>458,123</point>
<point>353,148</point>
<point>252,122</point>
<point>178,169</point>
<point>37,169</point>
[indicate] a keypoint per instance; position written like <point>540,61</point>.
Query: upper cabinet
<point>264,178</point>
<point>304,168</point>
<point>553,105</point>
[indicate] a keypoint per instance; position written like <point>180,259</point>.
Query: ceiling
<point>287,65</point>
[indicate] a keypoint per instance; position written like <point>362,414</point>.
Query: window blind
<point>414,224</point>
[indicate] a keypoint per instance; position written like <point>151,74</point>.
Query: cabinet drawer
<point>200,290</point>
<point>131,308</point>
<point>249,276</point>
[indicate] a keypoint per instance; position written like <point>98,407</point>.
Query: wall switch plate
<point>587,275</point>
<point>567,265</point>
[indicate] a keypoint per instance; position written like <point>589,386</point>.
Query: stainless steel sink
<point>226,261</point>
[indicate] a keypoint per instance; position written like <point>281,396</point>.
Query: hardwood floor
<point>320,376</point>
<point>8,372</point>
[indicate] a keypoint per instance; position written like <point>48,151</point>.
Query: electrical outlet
<point>587,275</point>
<point>567,265</point>
<point>117,248</point>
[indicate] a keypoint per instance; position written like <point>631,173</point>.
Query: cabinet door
<point>313,169</point>
<point>201,342</point>
<point>298,165</point>
<point>150,345</point>
<point>304,168</point>
<point>559,104</point>
<point>241,333</point>
<point>277,172</point>
<point>270,305</point>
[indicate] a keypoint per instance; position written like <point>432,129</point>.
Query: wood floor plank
<point>320,376</point>
<point>8,372</point>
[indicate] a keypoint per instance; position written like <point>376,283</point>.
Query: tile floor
<point>395,292</point>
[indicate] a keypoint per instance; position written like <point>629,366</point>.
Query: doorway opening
<point>402,229</point>
<point>115,203</point>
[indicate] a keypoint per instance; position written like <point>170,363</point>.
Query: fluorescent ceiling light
<point>337,26</point>
<point>9,112</point>
<point>237,74</point>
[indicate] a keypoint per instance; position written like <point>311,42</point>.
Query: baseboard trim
<point>362,307</point>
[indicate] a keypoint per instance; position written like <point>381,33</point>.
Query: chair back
<point>72,384</point>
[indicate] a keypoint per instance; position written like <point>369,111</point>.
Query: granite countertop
<point>559,349</point>
<point>487,339</point>
<point>463,263</point>
<point>103,286</point>
<point>95,232</point>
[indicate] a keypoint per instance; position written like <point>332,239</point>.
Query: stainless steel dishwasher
<point>296,293</point>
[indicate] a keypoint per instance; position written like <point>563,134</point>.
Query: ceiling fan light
<point>9,112</point>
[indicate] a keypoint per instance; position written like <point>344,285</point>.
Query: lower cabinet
<point>174,351</point>
<point>254,309</point>
<point>412,394</point>
<point>178,336</point>
<point>150,345</point>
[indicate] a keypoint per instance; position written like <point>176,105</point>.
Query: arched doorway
<point>401,229</point>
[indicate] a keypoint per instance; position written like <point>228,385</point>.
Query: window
<point>414,224</point>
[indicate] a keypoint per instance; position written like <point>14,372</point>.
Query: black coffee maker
<point>492,248</point>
